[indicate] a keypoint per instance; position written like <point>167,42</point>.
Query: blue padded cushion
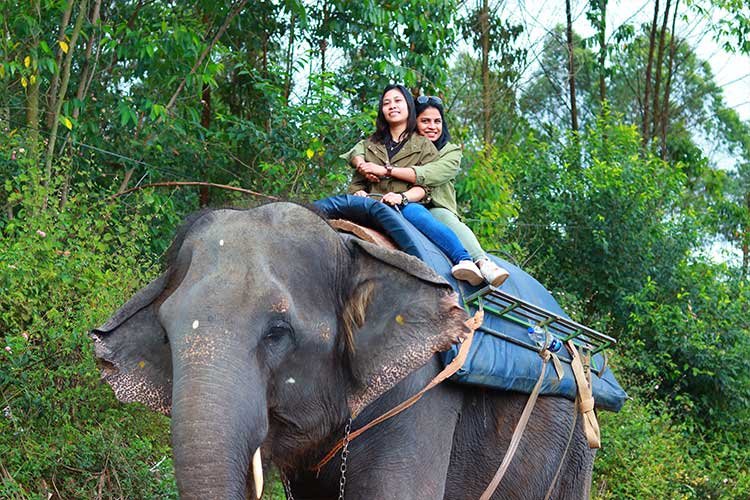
<point>492,361</point>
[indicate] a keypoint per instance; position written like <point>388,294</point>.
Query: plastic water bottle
<point>554,345</point>
<point>539,336</point>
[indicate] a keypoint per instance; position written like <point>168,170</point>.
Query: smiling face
<point>395,109</point>
<point>430,124</point>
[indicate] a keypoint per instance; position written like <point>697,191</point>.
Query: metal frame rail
<point>523,313</point>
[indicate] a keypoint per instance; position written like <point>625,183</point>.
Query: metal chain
<point>287,488</point>
<point>344,456</point>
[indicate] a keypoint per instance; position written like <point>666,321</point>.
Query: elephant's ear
<point>397,314</point>
<point>135,357</point>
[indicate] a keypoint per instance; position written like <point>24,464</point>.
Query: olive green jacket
<point>416,151</point>
<point>438,176</point>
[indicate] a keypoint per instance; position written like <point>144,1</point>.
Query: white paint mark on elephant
<point>221,243</point>
<point>290,380</point>
<point>195,324</point>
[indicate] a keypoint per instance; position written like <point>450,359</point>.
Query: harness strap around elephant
<point>472,323</point>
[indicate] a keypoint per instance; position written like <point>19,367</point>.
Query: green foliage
<point>617,234</point>
<point>485,191</point>
<point>642,456</point>
<point>62,273</point>
<point>651,453</point>
<point>688,342</point>
<point>403,41</point>
<point>731,25</point>
<point>295,152</point>
<point>612,222</point>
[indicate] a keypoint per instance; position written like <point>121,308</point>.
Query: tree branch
<point>193,183</point>
<point>236,10</point>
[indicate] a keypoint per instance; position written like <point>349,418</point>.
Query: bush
<point>61,430</point>
<point>648,452</point>
<point>688,342</point>
<point>643,456</point>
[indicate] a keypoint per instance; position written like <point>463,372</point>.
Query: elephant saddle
<point>502,355</point>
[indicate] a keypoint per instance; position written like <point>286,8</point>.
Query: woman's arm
<point>440,171</point>
<point>358,185</point>
<point>372,171</point>
<point>414,193</point>
<point>356,158</point>
<point>432,169</point>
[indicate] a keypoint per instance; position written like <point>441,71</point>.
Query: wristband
<point>388,170</point>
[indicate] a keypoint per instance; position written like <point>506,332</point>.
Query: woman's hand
<point>371,171</point>
<point>392,199</point>
<point>361,192</point>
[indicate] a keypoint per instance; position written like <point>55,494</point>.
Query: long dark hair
<point>445,136</point>
<point>382,129</point>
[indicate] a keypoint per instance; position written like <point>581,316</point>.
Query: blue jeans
<point>437,232</point>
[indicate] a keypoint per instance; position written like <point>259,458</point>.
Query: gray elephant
<point>269,329</point>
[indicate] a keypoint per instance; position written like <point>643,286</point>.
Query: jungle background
<point>608,165</point>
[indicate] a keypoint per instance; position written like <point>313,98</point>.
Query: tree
<point>731,24</point>
<point>571,68</point>
<point>498,69</point>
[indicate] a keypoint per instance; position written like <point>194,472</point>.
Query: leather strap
<point>585,398</point>
<point>518,432</point>
<point>452,367</point>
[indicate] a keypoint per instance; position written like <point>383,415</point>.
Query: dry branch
<point>193,183</point>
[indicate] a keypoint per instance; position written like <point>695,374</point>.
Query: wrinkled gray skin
<point>243,341</point>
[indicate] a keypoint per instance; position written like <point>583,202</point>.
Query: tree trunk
<point>659,61</point>
<point>60,99</point>
<point>602,51</point>
<point>324,39</point>
<point>32,110</point>
<point>204,195</point>
<point>54,84</point>
<point>746,239</point>
<point>129,24</point>
<point>664,115</point>
<point>32,107</point>
<point>85,73</point>
<point>571,68</point>
<point>484,23</point>
<point>289,60</point>
<point>649,65</point>
<point>81,92</point>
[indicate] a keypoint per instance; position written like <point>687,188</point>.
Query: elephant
<point>269,330</point>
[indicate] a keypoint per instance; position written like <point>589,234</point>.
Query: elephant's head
<point>268,327</point>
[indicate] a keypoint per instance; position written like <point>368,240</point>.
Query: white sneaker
<point>466,270</point>
<point>494,274</point>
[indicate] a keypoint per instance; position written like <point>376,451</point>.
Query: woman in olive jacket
<point>394,145</point>
<point>438,176</point>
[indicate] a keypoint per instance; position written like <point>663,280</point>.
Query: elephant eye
<point>277,330</point>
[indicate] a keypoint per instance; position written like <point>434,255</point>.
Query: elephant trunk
<point>217,426</point>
